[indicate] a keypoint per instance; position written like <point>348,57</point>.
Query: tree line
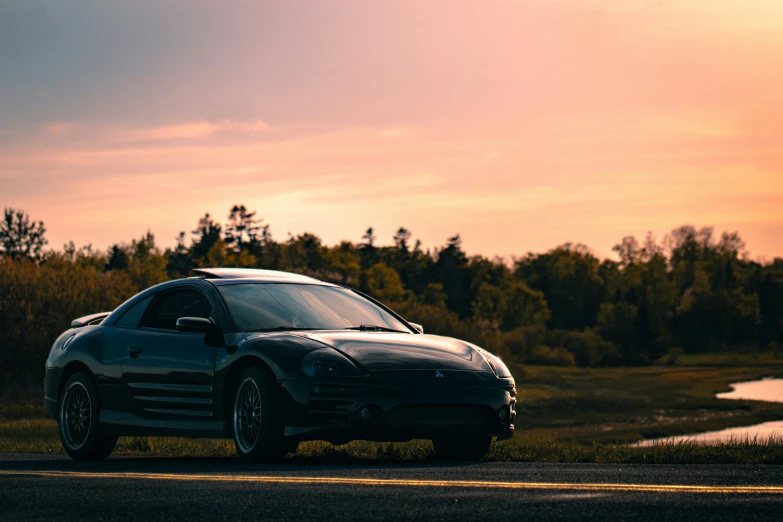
<point>693,292</point>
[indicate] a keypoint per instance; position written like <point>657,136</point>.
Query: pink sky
<point>518,124</point>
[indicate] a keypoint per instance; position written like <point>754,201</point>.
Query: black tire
<point>79,410</point>
<point>257,418</point>
<point>462,448</point>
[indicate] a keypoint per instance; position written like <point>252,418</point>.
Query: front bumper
<point>339,413</point>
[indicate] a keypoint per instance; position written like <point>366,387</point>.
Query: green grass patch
<point>733,359</point>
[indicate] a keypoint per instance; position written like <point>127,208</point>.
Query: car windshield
<point>284,306</point>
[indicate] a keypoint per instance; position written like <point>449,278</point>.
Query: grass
<point>611,405</point>
<point>564,415</point>
<point>40,436</point>
<point>733,359</point>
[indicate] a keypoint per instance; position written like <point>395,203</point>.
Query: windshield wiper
<point>373,328</point>
<point>283,329</point>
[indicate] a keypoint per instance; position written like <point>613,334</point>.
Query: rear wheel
<point>80,432</point>
<point>257,418</point>
<point>462,447</point>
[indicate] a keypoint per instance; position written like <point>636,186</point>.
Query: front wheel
<point>462,448</point>
<point>257,418</point>
<point>80,432</point>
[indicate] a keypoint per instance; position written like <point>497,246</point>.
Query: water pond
<point>764,390</point>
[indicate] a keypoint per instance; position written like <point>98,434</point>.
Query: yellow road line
<point>653,488</point>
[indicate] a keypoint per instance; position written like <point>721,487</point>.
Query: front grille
<point>444,415</point>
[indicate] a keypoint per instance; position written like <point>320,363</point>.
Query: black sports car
<point>270,359</point>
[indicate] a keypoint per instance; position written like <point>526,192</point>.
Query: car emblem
<point>438,374</point>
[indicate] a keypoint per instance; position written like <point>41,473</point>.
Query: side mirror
<point>195,324</point>
<point>419,328</point>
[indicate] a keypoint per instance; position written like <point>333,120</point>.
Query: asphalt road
<point>41,487</point>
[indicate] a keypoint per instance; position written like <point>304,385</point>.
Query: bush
<point>547,356</point>
<point>38,303</point>
<point>588,348</point>
<point>673,355</point>
<point>528,345</point>
<point>518,344</point>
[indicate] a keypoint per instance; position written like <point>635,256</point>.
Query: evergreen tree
<point>20,237</point>
<point>118,259</point>
<point>243,229</point>
<point>207,234</point>
<point>180,264</point>
<point>369,254</point>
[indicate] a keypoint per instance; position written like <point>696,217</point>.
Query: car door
<point>115,342</point>
<point>169,374</point>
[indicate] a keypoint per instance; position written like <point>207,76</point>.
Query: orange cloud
<point>193,130</point>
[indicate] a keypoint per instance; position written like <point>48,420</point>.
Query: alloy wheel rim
<point>247,415</point>
<point>76,415</point>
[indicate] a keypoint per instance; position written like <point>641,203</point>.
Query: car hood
<point>382,351</point>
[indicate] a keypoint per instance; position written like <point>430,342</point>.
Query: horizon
<point>381,242</point>
<point>523,126</point>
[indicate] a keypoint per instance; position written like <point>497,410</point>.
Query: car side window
<point>131,318</point>
<point>170,306</point>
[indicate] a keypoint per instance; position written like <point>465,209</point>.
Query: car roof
<point>257,275</point>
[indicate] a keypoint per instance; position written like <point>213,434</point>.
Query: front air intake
<point>444,415</point>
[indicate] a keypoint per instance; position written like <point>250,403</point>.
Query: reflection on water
<point>764,390</point>
<point>761,432</point>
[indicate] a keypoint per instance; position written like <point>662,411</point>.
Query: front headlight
<point>498,366</point>
<point>501,370</point>
<point>325,362</point>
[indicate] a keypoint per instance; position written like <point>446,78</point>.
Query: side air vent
<point>89,320</point>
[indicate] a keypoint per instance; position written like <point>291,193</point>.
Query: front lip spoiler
<point>343,435</point>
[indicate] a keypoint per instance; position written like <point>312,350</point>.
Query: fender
<point>76,348</point>
<point>281,352</point>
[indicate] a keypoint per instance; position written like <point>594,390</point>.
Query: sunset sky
<point>518,124</point>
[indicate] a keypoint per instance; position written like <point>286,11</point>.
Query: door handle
<point>134,351</point>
